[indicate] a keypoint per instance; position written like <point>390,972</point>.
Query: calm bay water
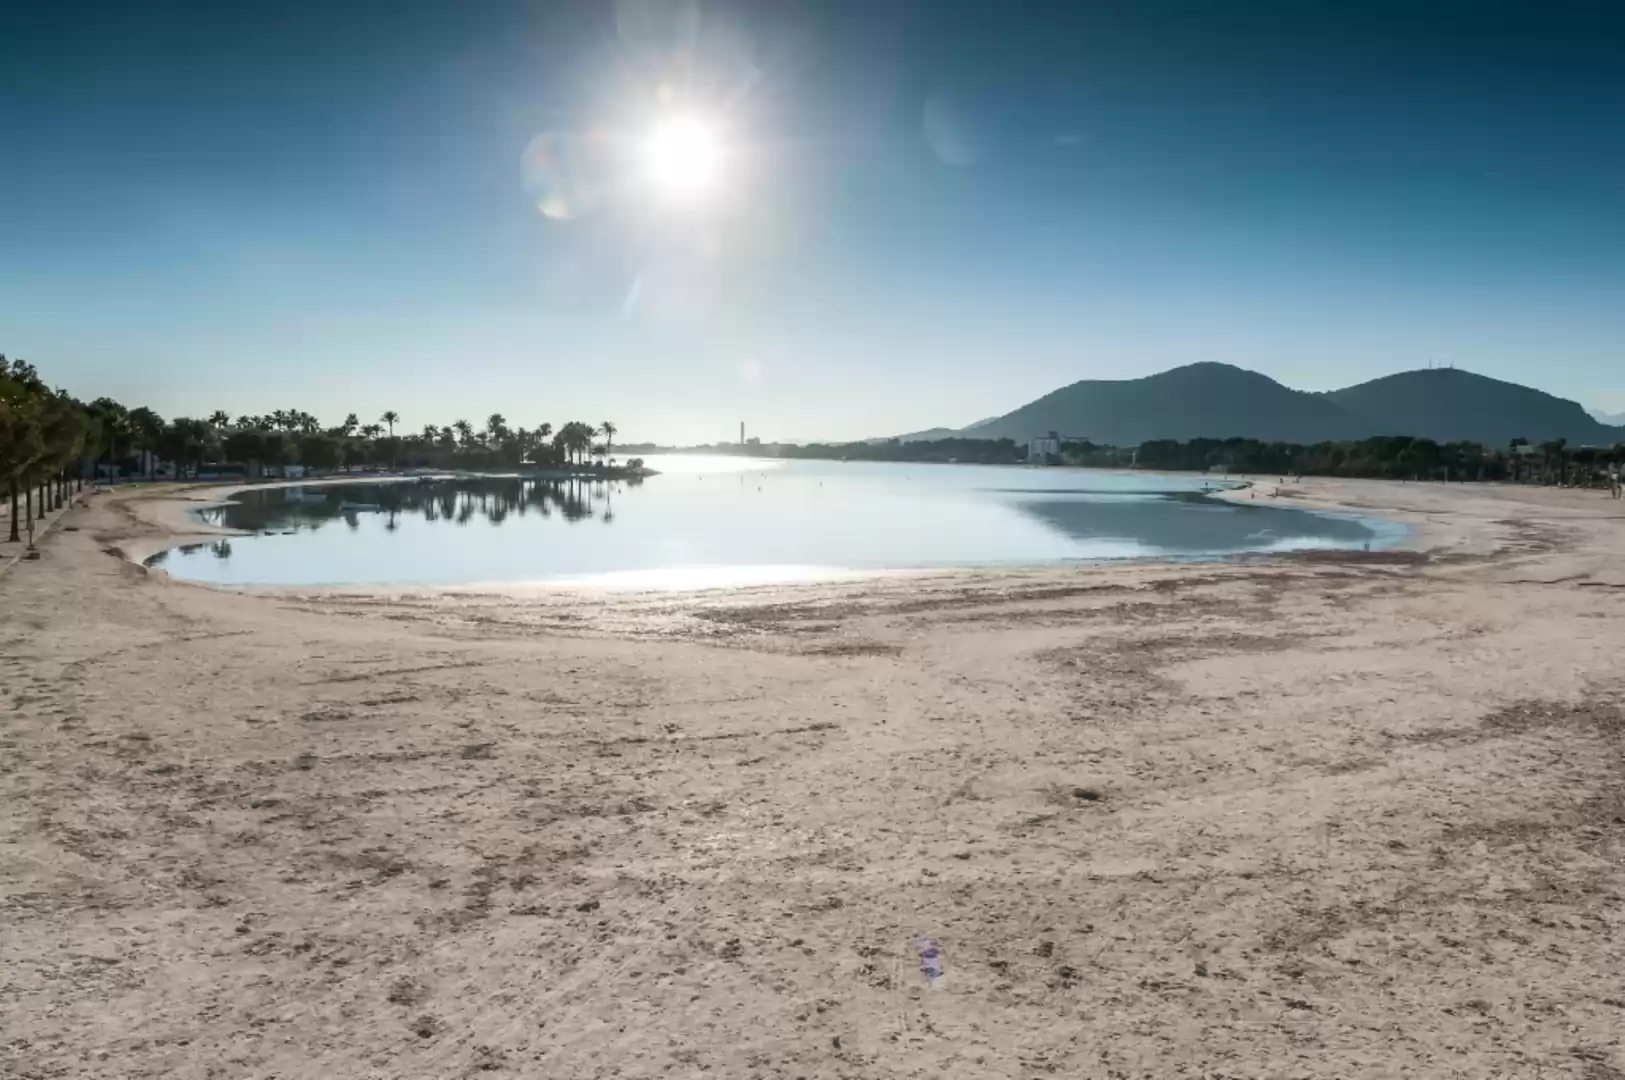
<point>722,520</point>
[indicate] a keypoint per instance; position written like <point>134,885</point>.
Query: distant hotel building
<point>1041,449</point>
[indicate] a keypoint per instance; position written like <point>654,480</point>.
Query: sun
<point>682,158</point>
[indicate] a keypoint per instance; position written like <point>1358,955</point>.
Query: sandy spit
<point>1336,815</point>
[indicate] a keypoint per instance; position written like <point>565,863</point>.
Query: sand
<point>1323,816</point>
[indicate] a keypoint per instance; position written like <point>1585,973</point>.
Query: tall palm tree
<point>390,417</point>
<point>115,424</point>
<point>219,419</point>
<point>146,428</point>
<point>609,429</point>
<point>465,432</point>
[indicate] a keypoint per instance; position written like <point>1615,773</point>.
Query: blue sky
<point>927,212</point>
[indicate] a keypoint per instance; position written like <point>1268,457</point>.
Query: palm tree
<point>219,419</point>
<point>115,424</point>
<point>372,431</point>
<point>609,429</point>
<point>390,417</point>
<point>569,439</point>
<point>146,428</point>
<point>465,432</point>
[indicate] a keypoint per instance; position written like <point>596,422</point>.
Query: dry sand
<point>1317,817</point>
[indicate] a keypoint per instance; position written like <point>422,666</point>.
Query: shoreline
<point>172,523</point>
<point>1337,814</point>
<point>170,514</point>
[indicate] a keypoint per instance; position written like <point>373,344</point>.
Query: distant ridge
<point>1210,400</point>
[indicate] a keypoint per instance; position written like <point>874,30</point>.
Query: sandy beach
<point>1332,815</point>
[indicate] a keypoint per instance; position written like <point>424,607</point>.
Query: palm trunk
<point>16,537</point>
<point>42,500</point>
<point>28,503</point>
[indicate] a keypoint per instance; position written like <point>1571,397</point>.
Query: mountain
<point>1219,401</point>
<point>927,435</point>
<point>1611,419</point>
<point>1448,404</point>
<point>937,433</point>
<point>1199,400</point>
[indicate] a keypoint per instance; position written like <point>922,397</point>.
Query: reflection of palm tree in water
<point>571,503</point>
<point>456,500</point>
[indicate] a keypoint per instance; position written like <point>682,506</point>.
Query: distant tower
<point>741,433</point>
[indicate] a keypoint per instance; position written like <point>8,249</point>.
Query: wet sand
<point>1320,816</point>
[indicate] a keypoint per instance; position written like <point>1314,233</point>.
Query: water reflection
<point>1185,522</point>
<point>792,522</point>
<point>456,500</point>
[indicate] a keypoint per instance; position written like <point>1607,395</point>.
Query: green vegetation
<point>44,433</point>
<point>1393,457</point>
<point>963,451</point>
<point>48,440</point>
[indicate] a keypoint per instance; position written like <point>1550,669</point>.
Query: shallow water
<point>722,520</point>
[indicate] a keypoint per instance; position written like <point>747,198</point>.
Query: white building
<point>1043,447</point>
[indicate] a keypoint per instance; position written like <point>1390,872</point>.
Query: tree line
<point>1389,457</point>
<point>49,440</point>
<point>1394,457</point>
<point>43,434</point>
<point>940,451</point>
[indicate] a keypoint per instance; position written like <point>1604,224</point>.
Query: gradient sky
<point>933,211</point>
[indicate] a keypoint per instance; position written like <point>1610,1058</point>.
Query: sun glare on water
<point>683,158</point>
